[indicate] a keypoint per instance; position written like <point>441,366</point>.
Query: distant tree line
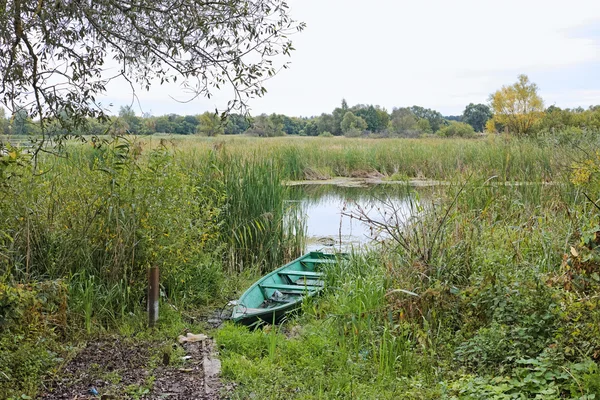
<point>515,109</point>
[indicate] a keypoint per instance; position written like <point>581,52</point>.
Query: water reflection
<point>326,213</point>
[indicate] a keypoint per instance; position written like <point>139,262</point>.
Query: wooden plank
<point>309,282</point>
<point>301,273</point>
<point>280,286</point>
<point>318,261</point>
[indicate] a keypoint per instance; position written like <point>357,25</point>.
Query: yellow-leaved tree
<point>517,107</point>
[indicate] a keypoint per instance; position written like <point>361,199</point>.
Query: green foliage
<point>476,305</point>
<point>435,119</point>
<point>253,223</point>
<point>236,124</point>
<point>132,123</point>
<point>238,44</point>
<point>4,123</point>
<point>327,123</point>
<point>556,120</point>
<point>377,119</point>
<point>545,377</point>
<point>424,126</point>
<point>343,346</point>
<point>111,216</point>
<point>457,129</point>
<point>477,115</point>
<point>292,126</point>
<point>31,318</point>
<point>21,123</point>
<point>209,124</point>
<point>267,126</point>
<point>351,122</point>
<point>404,123</point>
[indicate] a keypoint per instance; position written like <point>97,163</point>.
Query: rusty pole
<point>153,295</point>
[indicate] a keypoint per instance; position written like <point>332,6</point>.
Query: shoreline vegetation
<point>490,293</point>
<point>483,282</point>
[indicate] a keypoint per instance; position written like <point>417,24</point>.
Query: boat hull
<point>282,291</point>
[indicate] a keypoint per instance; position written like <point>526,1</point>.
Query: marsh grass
<point>483,318</point>
<point>509,159</point>
<point>211,213</point>
<point>102,214</point>
<point>255,223</point>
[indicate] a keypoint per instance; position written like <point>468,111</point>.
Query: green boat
<point>282,290</point>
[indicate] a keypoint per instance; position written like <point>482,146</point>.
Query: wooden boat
<point>282,290</point>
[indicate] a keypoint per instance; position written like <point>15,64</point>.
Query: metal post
<point>153,294</point>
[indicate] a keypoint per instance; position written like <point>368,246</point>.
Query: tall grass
<point>488,312</point>
<point>100,217</point>
<point>257,224</point>
<point>506,158</point>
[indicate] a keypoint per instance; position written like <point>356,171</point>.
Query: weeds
<point>479,302</point>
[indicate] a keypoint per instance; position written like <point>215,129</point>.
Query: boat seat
<point>280,286</point>
<point>319,261</point>
<point>309,274</point>
<point>309,282</point>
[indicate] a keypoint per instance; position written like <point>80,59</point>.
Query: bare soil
<point>118,369</point>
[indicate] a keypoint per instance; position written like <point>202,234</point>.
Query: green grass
<point>488,315</point>
<point>500,297</point>
<point>506,158</point>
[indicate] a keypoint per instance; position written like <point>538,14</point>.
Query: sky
<point>438,54</point>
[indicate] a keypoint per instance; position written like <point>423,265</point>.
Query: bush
<point>325,134</point>
<point>457,129</point>
<point>30,318</point>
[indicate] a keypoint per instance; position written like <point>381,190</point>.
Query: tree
<point>377,119</point>
<point>266,126</point>
<point>4,125</point>
<point>311,128</point>
<point>435,118</point>
<point>338,115</point>
<point>209,124</point>
<point>517,107</point>
<point>236,124</point>
<point>53,54</point>
<point>404,122</point>
<point>21,123</point>
<point>291,126</point>
<point>344,105</point>
<point>351,122</point>
<point>163,125</point>
<point>477,115</point>
<point>132,122</point>
<point>424,126</point>
<point>326,123</point>
<point>456,118</point>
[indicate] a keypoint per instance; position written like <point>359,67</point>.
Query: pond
<point>329,213</point>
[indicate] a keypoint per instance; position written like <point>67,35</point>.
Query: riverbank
<point>483,287</point>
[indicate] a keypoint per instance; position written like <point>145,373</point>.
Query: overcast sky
<point>438,54</point>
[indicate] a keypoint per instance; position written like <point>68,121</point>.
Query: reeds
<point>508,159</point>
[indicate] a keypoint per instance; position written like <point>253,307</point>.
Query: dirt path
<point>117,369</point>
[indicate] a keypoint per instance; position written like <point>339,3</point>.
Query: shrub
<point>30,318</point>
<point>325,134</point>
<point>457,129</point>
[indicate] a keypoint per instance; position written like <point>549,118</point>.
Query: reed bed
<point>299,158</point>
<point>491,312</point>
<point>498,282</point>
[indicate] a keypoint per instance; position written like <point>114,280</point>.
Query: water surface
<point>326,211</point>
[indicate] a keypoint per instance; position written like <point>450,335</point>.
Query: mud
<point>116,369</point>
